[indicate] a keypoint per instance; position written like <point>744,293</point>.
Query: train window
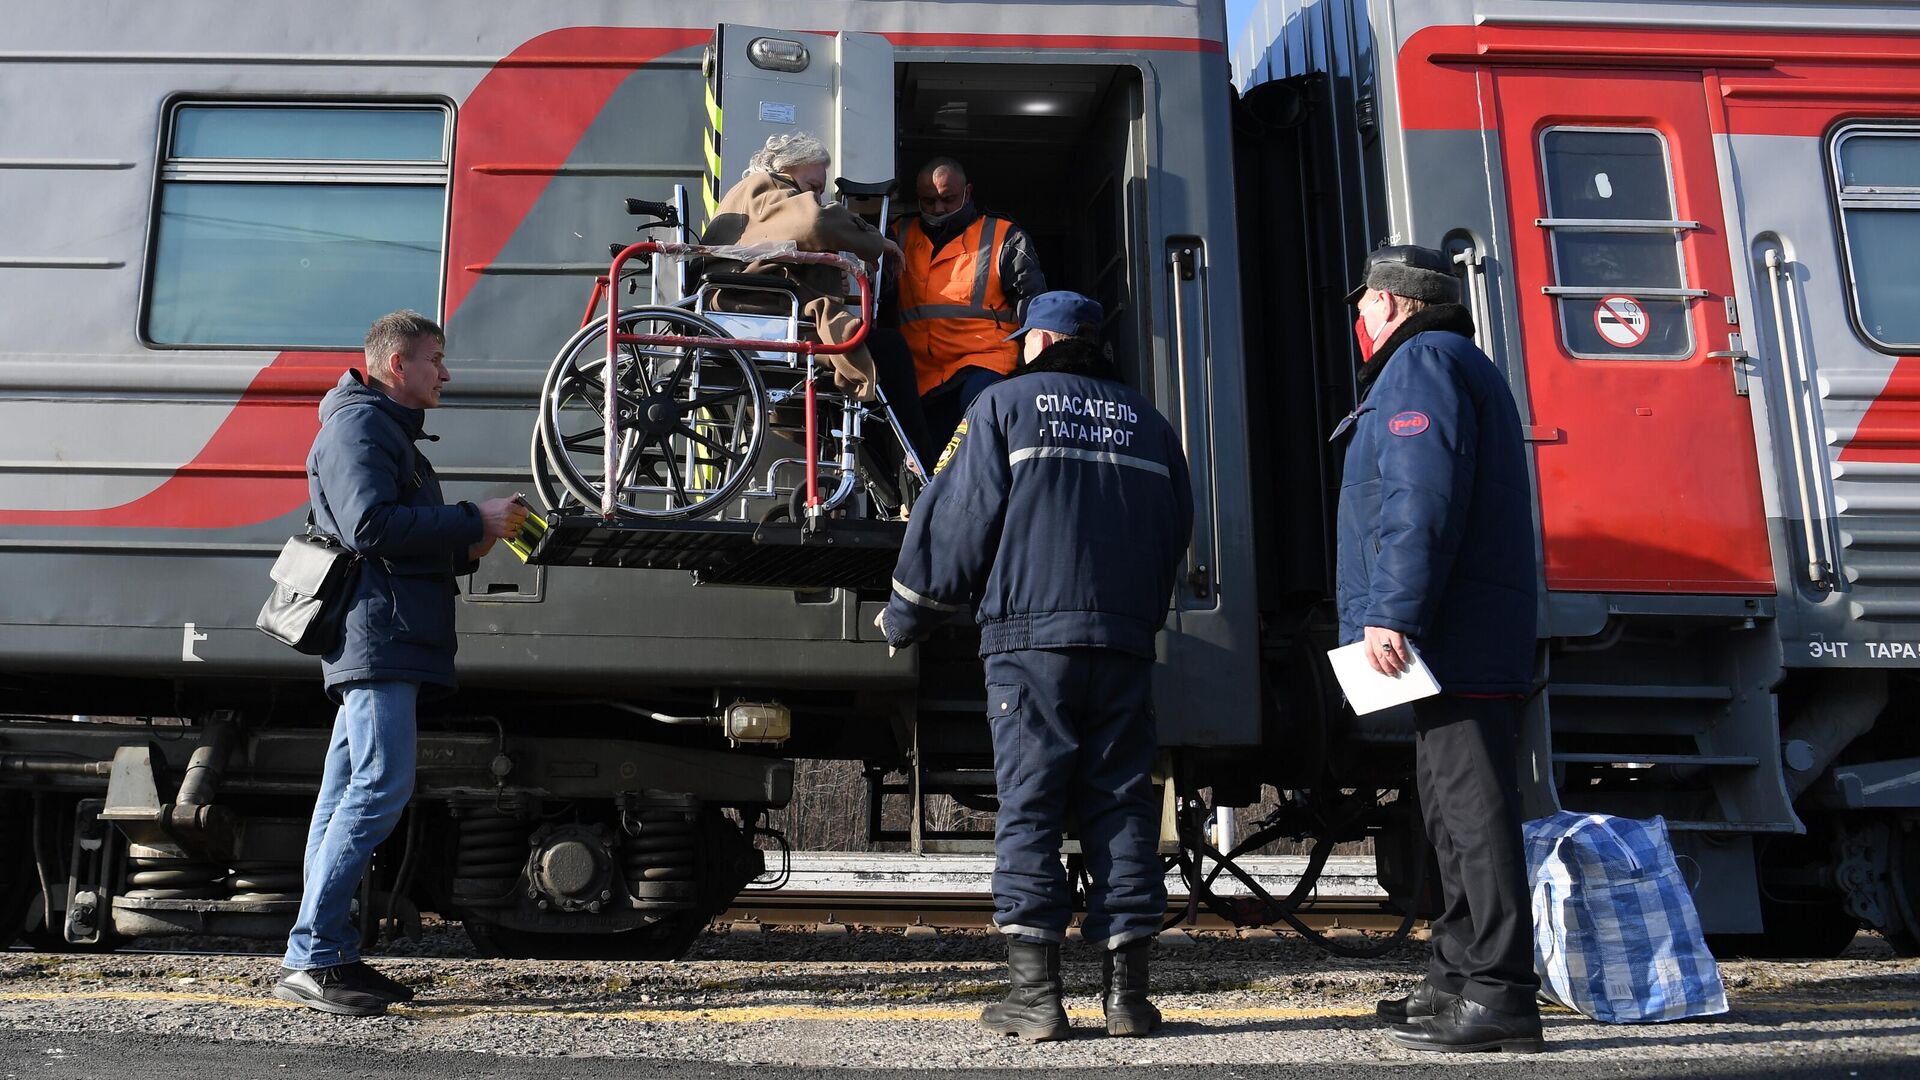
<point>1619,277</point>
<point>293,225</point>
<point>1877,184</point>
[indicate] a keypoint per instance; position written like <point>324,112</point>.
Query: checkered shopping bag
<point>1615,933</point>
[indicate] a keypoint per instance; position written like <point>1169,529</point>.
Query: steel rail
<point>958,911</point>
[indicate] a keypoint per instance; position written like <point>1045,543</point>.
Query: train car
<point>203,206</point>
<point>1686,234</point>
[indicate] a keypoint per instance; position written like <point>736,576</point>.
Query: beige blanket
<point>765,208</point>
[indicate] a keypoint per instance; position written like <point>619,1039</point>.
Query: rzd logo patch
<point>1408,424</point>
<point>953,444</point>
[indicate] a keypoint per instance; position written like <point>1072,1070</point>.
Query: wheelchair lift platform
<point>844,554</point>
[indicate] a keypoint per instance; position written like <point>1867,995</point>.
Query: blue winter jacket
<point>371,488</point>
<point>1060,516</point>
<point>1436,515</point>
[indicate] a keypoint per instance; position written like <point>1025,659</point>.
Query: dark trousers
<point>893,363</point>
<point>946,405</point>
<point>1464,751</point>
<point>1073,743</point>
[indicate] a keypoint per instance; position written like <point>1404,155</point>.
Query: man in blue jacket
<point>374,490</point>
<point>1436,551</point>
<point>1059,514</point>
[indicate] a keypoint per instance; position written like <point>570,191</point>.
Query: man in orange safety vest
<point>965,278</point>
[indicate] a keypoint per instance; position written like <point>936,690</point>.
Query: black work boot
<point>386,986</point>
<point>340,990</point>
<point>1421,1002</point>
<point>1032,1008</point>
<point>1466,1026</point>
<point>1123,978</point>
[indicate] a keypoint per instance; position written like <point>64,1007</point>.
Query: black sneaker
<point>387,987</point>
<point>340,990</point>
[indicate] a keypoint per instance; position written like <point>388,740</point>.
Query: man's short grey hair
<point>397,332</point>
<point>784,152</point>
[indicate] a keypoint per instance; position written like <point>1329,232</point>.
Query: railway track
<point>958,911</point>
<point>836,891</point>
<point>955,892</point>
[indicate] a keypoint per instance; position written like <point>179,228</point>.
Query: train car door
<point>762,82</point>
<point>1649,475</point>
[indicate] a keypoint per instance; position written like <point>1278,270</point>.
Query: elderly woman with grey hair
<point>779,199</point>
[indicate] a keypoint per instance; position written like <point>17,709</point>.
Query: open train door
<point>1649,474</point>
<point>763,82</point>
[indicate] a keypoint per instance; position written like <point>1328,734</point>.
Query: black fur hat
<point>1414,272</point>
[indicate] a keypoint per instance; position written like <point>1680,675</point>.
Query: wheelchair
<point>678,410</point>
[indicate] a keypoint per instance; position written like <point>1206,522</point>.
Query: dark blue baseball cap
<point>1062,312</point>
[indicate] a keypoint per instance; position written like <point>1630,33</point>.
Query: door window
<point>1619,276</point>
<point>288,225</point>
<point>1876,171</point>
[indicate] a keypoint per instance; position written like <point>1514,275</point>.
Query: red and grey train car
<point>1679,227</point>
<point>1688,236</point>
<point>201,209</point>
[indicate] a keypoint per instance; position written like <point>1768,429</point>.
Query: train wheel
<point>1905,879</point>
<point>668,939</point>
<point>693,419</point>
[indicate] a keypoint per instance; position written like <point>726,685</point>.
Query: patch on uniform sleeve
<point>1408,424</point>
<point>953,445</point>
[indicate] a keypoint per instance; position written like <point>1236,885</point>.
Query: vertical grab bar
<point>1794,377</point>
<point>1191,385</point>
<point>1478,304</point>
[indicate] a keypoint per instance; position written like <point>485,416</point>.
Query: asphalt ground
<point>779,1004</point>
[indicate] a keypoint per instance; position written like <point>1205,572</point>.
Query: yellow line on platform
<point>763,1014</point>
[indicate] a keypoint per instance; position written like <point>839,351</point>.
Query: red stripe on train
<point>1767,83</point>
<point>533,107</point>
<point>530,109</point>
<point>1890,430</point>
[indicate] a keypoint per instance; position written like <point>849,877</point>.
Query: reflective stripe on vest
<point>950,318</point>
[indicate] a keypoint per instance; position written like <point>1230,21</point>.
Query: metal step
<point>844,554</point>
<point>1662,693</point>
<point>1733,760</point>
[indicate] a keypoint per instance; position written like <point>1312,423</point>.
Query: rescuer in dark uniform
<point>1059,512</point>
<point>1436,548</point>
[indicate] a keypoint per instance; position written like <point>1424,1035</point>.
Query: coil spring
<point>659,854</point>
<point>264,882</point>
<point>492,851</point>
<point>160,877</point>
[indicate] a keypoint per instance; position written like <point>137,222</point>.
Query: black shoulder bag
<point>312,588</point>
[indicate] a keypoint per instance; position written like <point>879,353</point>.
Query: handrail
<point>1479,304</point>
<point>1795,379</point>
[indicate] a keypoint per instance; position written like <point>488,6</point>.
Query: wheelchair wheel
<point>546,486</point>
<point>693,419</point>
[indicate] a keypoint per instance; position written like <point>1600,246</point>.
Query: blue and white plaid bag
<point>1615,933</point>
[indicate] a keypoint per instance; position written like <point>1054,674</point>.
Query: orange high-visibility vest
<point>953,310</point>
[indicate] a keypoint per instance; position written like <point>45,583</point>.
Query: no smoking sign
<point>1622,322</point>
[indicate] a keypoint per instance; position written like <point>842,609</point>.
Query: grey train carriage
<point>204,207</point>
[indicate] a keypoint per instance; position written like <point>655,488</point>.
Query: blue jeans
<point>363,790</point>
<point>1073,746</point>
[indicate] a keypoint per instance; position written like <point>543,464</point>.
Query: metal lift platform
<point>841,554</point>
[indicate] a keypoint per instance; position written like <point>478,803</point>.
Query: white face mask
<point>934,221</point>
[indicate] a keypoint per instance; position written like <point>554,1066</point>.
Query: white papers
<point>1369,691</point>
